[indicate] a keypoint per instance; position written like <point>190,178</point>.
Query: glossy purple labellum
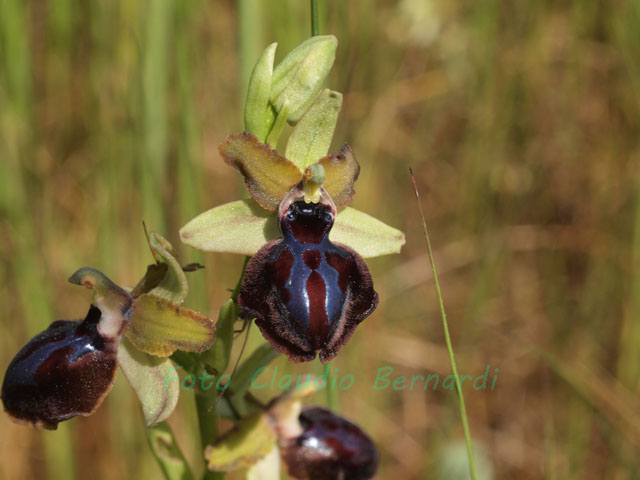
<point>329,447</point>
<point>62,372</point>
<point>308,294</point>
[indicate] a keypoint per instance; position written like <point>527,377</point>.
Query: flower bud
<point>256,111</point>
<point>297,80</point>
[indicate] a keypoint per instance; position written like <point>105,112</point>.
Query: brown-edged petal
<point>268,175</point>
<point>341,171</point>
<point>160,327</point>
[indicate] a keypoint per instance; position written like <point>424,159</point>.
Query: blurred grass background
<point>521,121</point>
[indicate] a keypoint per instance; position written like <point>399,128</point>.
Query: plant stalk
<point>315,18</point>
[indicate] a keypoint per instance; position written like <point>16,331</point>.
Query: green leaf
<point>217,357</point>
<point>267,174</point>
<point>160,327</point>
<point>169,457</point>
<point>365,234</point>
<point>241,382</point>
<point>311,138</point>
<point>238,227</point>
<point>249,441</point>
<point>149,376</point>
<point>173,286</point>
<point>297,80</point>
<point>256,117</point>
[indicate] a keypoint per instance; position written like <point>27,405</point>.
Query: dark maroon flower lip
<point>64,371</point>
<point>329,447</point>
<point>307,293</point>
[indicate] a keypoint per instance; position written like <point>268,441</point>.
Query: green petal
<point>251,439</point>
<point>267,174</point>
<point>366,235</point>
<point>148,376</point>
<point>237,227</point>
<point>173,286</point>
<point>160,327</point>
<point>341,171</point>
<point>257,104</point>
<point>311,138</point>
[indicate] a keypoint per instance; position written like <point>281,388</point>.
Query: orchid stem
<point>208,425</point>
<point>315,16</point>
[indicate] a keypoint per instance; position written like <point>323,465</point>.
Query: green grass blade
<point>445,326</point>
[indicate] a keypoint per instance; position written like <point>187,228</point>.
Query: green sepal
<point>249,441</point>
<point>151,279</point>
<point>365,234</point>
<point>240,227</point>
<point>244,227</point>
<point>148,376</point>
<point>297,80</point>
<point>257,118</point>
<point>311,138</point>
<point>159,327</point>
<point>173,286</point>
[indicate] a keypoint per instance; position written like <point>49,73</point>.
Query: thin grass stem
<point>447,337</point>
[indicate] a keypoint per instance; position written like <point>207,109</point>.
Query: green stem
<point>315,19</point>
<point>206,402</point>
<point>332,395</point>
<point>207,424</point>
<point>445,326</point>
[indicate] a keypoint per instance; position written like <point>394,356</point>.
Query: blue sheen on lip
<point>62,372</point>
<point>298,302</point>
<point>28,366</point>
<point>307,293</point>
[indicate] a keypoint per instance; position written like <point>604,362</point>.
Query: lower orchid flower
<point>313,443</point>
<point>69,368</point>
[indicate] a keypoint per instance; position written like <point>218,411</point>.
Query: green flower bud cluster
<point>292,92</point>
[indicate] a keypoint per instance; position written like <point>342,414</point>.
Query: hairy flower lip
<point>307,293</point>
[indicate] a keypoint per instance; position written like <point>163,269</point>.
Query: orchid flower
<point>69,368</point>
<point>307,284</point>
